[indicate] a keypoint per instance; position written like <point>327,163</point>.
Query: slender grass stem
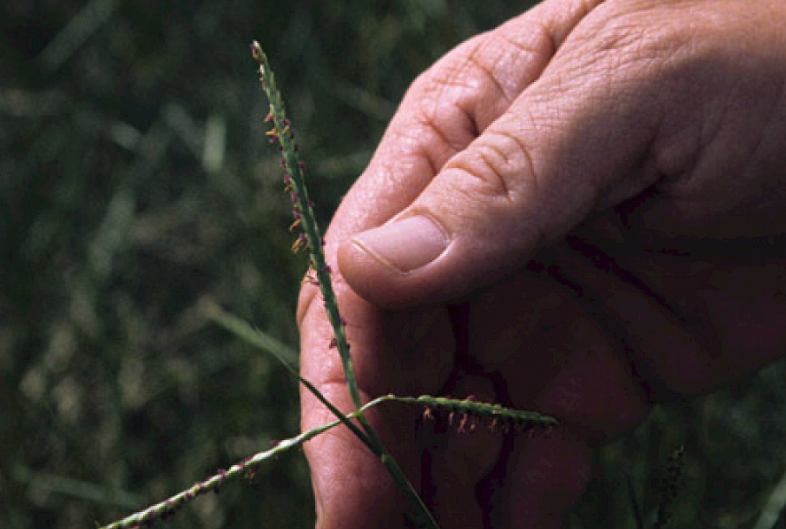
<point>248,333</point>
<point>258,339</point>
<point>170,506</point>
<point>312,238</point>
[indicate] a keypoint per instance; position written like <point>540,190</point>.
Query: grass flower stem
<point>255,337</point>
<point>169,506</point>
<point>303,209</point>
<point>304,216</point>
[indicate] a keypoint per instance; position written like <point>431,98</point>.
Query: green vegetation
<point>136,190</point>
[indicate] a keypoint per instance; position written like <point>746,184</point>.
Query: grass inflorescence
<point>243,469</point>
<point>282,134</point>
<point>469,411</point>
<point>310,239</point>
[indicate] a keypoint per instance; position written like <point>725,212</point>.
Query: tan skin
<point>609,182</point>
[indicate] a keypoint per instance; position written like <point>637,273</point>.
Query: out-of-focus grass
<point>135,183</point>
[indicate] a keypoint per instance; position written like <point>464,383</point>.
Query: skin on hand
<point>581,214</point>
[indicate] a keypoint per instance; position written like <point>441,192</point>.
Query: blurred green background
<point>136,184</point>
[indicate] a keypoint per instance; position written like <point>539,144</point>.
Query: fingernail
<point>406,244</point>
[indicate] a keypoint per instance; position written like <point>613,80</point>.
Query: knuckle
<point>441,102</point>
<point>501,165</point>
<point>449,123</point>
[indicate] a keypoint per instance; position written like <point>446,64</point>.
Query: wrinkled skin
<point>608,182</point>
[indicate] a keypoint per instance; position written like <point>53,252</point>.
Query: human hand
<point>608,184</point>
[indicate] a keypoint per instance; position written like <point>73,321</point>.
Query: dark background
<point>136,184</point>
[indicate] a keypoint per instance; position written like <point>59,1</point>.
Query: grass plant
<point>282,135</point>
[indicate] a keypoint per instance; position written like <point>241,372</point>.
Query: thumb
<point>570,144</point>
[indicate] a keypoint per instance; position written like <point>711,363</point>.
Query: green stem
<point>256,338</point>
<point>170,505</point>
<point>303,207</point>
<point>174,503</point>
<point>282,132</point>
